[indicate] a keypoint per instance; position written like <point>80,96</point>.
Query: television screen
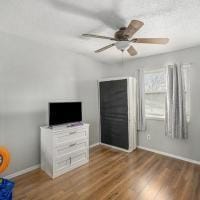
<point>64,112</point>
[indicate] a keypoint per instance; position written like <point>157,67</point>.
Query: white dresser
<point>64,148</point>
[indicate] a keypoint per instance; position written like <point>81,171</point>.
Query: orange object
<point>4,159</point>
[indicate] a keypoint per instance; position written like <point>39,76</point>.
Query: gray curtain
<point>175,114</point>
<point>141,124</point>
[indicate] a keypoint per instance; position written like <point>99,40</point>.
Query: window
<point>155,92</point>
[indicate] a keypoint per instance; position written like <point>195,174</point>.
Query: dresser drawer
<point>72,160</point>
<point>79,157</point>
<point>66,136</point>
<point>70,147</point>
<point>62,164</point>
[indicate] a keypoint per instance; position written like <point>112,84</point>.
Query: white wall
<point>186,148</point>
<point>31,75</point>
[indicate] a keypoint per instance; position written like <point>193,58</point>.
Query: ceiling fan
<point>123,38</point>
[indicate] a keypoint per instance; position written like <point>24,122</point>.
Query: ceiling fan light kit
<point>122,45</point>
<point>123,38</point>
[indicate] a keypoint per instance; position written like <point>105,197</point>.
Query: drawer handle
<point>71,133</point>
<point>71,145</point>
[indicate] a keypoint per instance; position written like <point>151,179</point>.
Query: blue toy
<point>6,188</point>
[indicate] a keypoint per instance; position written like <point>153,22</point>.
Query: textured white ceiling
<point>61,22</point>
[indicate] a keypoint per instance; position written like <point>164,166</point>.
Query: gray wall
<point>88,92</point>
<point>186,148</point>
<point>31,75</point>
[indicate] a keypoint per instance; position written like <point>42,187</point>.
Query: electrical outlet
<point>148,137</point>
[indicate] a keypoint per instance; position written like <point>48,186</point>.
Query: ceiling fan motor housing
<point>119,35</point>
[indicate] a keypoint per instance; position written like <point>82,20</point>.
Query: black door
<point>114,113</point>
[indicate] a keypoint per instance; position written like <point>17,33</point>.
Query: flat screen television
<point>64,112</point>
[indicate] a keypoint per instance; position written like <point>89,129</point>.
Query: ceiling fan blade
<point>104,48</point>
<point>98,36</point>
<point>131,50</point>
<point>151,40</point>
<point>133,27</point>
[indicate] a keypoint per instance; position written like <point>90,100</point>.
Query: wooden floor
<point>112,174</point>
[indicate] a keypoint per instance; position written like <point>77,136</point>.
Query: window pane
<point>155,82</point>
<point>155,104</point>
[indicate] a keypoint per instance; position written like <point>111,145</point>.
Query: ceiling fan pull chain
<point>122,50</point>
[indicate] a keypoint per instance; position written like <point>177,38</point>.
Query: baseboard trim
<point>24,171</point>
<point>170,155</point>
<point>94,145</point>
<point>117,148</point>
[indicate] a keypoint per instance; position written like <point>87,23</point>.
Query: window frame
<point>154,116</point>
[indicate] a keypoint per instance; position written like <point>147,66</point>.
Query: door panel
<point>114,113</point>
